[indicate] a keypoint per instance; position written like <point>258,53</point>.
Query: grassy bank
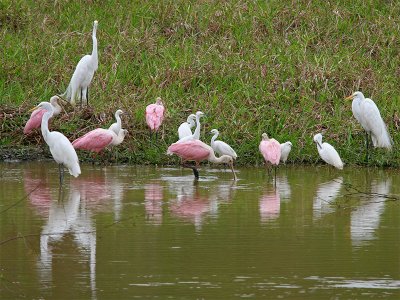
<point>281,67</point>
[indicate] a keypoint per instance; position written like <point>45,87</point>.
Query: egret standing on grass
<point>60,147</point>
<point>196,133</point>
<point>155,115</point>
<point>285,150</point>
<point>271,151</point>
<point>367,114</point>
<point>116,127</point>
<point>198,151</point>
<point>221,147</point>
<point>185,129</point>
<point>328,153</point>
<point>83,75</point>
<point>35,120</point>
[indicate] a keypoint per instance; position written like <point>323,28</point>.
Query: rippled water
<point>143,232</point>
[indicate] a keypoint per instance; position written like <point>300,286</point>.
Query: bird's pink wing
<point>271,151</point>
<point>190,150</point>
<point>149,115</point>
<point>95,140</point>
<point>34,121</point>
<point>263,149</point>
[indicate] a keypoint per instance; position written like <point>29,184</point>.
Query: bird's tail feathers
<point>75,170</point>
<point>383,139</point>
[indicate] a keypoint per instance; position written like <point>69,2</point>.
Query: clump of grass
<point>252,67</point>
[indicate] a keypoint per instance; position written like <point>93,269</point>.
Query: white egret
<point>196,133</point>
<point>83,75</point>
<point>60,147</point>
<point>285,150</point>
<point>116,127</point>
<point>367,114</point>
<point>185,129</point>
<point>328,153</point>
<point>221,147</point>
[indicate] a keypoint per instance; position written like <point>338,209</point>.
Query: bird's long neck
<point>196,134</point>
<point>214,138</point>
<point>217,160</point>
<point>118,118</point>
<point>94,50</point>
<point>45,124</point>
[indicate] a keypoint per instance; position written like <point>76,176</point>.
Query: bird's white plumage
<point>116,127</point>
<point>196,133</point>
<point>367,114</point>
<point>285,150</point>
<point>221,147</point>
<point>327,152</point>
<point>185,129</point>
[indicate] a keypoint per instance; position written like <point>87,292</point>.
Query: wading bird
<point>196,133</point>
<point>98,139</point>
<point>285,150</point>
<point>198,151</point>
<point>116,127</point>
<point>35,119</point>
<point>185,129</point>
<point>155,115</point>
<point>327,152</point>
<point>60,147</point>
<point>271,151</point>
<point>221,147</point>
<point>83,75</point>
<point>367,114</point>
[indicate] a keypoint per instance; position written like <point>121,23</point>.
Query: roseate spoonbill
<point>327,152</point>
<point>155,115</point>
<point>198,151</point>
<point>60,147</point>
<point>367,114</point>
<point>185,129</point>
<point>35,119</point>
<point>83,74</point>
<point>116,127</point>
<point>98,139</point>
<point>221,147</point>
<point>196,133</point>
<point>270,150</point>
<point>285,150</point>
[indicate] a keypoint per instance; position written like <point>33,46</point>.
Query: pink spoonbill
<point>270,150</point>
<point>98,139</point>
<point>155,115</point>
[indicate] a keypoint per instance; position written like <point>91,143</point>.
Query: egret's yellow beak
<point>351,97</point>
<point>32,109</point>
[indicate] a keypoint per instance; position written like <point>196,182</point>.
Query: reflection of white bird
<point>83,75</point>
<point>116,127</point>
<point>60,147</point>
<point>327,193</point>
<point>221,147</point>
<point>285,150</point>
<point>328,153</point>
<point>196,134</point>
<point>367,114</point>
<point>185,129</point>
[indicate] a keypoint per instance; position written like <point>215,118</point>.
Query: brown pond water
<point>119,232</point>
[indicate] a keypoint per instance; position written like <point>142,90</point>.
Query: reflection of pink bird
<point>97,139</point>
<point>191,208</point>
<point>35,120</point>
<point>198,151</point>
<point>269,205</point>
<point>153,196</point>
<point>155,114</point>
<point>270,149</point>
<point>38,193</point>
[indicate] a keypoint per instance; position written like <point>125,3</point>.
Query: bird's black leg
<point>87,96</point>
<point>275,176</point>
<point>61,172</point>
<point>367,146</point>
<point>195,171</point>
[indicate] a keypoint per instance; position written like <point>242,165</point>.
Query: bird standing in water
<point>328,153</point>
<point>271,151</point>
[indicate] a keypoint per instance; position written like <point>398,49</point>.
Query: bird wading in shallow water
<point>78,87</point>
<point>367,114</point>
<point>221,147</point>
<point>185,129</point>
<point>155,115</point>
<point>285,150</point>
<point>271,151</point>
<point>328,153</point>
<point>60,147</point>
<point>35,120</point>
<point>196,150</point>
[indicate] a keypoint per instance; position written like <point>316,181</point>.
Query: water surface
<point>145,232</point>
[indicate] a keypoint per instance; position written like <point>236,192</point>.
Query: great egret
<point>285,150</point>
<point>271,151</point>
<point>327,152</point>
<point>98,139</point>
<point>155,115</point>
<point>83,75</point>
<point>35,119</point>
<point>60,147</point>
<point>221,147</point>
<point>367,114</point>
<point>116,127</point>
<point>196,133</point>
<point>198,151</point>
<point>185,129</point>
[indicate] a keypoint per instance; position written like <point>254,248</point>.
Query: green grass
<point>281,67</point>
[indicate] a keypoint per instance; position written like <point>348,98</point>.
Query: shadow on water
<point>118,231</point>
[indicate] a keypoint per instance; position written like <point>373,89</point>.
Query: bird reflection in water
<point>153,198</point>
<point>326,194</point>
<point>269,205</point>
